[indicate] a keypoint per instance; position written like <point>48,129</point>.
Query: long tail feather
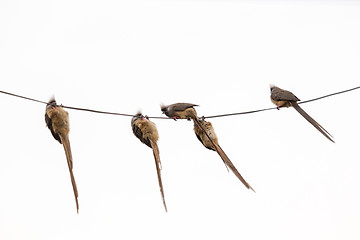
<point>312,121</point>
<point>225,158</point>
<point>66,143</point>
<point>155,149</point>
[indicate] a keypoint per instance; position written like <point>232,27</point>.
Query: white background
<point>125,56</point>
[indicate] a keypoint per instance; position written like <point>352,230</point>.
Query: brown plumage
<point>210,141</point>
<point>182,111</point>
<point>146,132</point>
<point>57,120</point>
<point>284,98</point>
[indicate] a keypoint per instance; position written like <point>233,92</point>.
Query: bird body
<point>180,110</point>
<point>147,133</point>
<point>281,97</point>
<point>145,130</point>
<point>284,98</point>
<point>203,138</point>
<point>57,120</point>
<point>183,111</point>
<point>60,121</point>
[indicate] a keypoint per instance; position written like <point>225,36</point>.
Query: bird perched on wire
<point>181,111</point>
<point>210,141</point>
<point>284,98</point>
<point>57,120</point>
<point>147,133</point>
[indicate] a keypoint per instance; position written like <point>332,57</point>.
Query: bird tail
<point>312,121</point>
<point>223,156</point>
<point>228,162</point>
<point>155,149</point>
<point>66,143</point>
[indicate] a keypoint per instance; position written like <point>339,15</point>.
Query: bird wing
<point>139,134</point>
<point>279,94</point>
<point>182,106</point>
<point>50,126</point>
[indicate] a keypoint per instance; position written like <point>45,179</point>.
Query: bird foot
<point>278,107</point>
<point>175,118</point>
<point>147,117</point>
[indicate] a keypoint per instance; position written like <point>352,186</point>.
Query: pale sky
<point>126,56</point>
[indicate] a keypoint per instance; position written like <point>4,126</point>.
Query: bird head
<point>164,108</point>
<point>137,116</point>
<point>272,86</point>
<point>52,103</point>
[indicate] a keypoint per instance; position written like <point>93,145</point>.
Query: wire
<point>110,113</point>
<point>241,113</point>
<point>301,102</point>
<point>31,99</point>
<point>213,116</point>
<point>96,111</point>
<point>329,95</point>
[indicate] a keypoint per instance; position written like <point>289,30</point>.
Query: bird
<point>57,120</point>
<point>284,98</point>
<point>210,141</point>
<point>182,111</point>
<point>147,133</point>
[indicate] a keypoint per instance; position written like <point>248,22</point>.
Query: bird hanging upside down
<point>57,120</point>
<point>146,132</point>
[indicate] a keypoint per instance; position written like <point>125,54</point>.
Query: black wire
<point>329,95</point>
<point>241,113</point>
<point>96,111</point>
<point>31,99</point>
<point>109,113</point>
<point>266,109</point>
<point>213,116</point>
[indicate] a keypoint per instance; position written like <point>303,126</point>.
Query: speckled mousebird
<point>147,133</point>
<point>57,120</point>
<point>284,98</point>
